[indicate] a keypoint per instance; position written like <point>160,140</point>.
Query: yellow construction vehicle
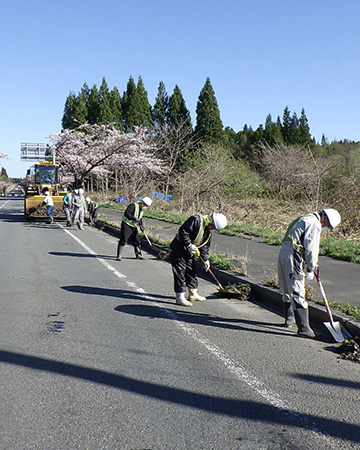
<point>42,177</point>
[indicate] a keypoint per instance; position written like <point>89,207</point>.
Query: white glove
<point>309,275</point>
<point>193,250</point>
<point>207,265</point>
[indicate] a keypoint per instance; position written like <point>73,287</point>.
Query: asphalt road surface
<point>95,355</point>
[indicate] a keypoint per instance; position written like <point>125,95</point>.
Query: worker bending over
<point>298,259</point>
<point>193,239</point>
<point>130,224</point>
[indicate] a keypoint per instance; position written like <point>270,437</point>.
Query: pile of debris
<point>350,349</point>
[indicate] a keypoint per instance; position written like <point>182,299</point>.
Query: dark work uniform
<point>182,261</point>
<point>129,227</point>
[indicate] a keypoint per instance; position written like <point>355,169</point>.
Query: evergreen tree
<point>178,112</point>
<point>144,117</point>
<point>105,113</point>
<point>272,132</point>
<point>286,126</point>
<point>160,110</point>
<point>128,105</point>
<point>93,106</point>
<point>115,106</point>
<point>80,111</point>
<point>209,126</point>
<point>304,130</point>
<point>67,121</point>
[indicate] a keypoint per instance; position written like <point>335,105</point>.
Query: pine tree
<point>67,120</point>
<point>178,112</point>
<point>286,126</point>
<point>93,106</point>
<point>128,106</point>
<point>105,113</point>
<point>304,130</point>
<point>144,117</point>
<point>115,106</point>
<point>81,111</point>
<point>160,110</point>
<point>209,126</point>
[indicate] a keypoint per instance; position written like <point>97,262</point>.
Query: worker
<point>298,260</point>
<point>49,203</point>
<point>67,206</point>
<point>130,224</point>
<point>92,208</point>
<point>193,239</point>
<point>78,203</point>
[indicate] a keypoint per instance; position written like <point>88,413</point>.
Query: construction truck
<point>42,177</point>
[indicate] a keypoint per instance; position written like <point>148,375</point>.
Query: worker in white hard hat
<point>193,239</point>
<point>92,208</point>
<point>78,204</point>
<point>130,224</point>
<point>298,259</point>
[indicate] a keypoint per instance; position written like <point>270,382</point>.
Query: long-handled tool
<point>338,332</point>
<point>146,237</point>
<point>212,274</point>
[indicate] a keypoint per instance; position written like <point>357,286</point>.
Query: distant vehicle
<point>40,178</point>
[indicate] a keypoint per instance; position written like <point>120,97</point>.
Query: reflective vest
<point>200,235</point>
<point>138,213</point>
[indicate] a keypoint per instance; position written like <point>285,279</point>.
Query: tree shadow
<point>242,409</point>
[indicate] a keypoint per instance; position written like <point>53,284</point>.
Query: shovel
<point>146,237</point>
<point>338,332</point>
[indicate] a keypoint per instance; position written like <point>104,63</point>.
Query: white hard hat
<point>46,193</point>
<point>87,200</point>
<point>76,191</point>
<point>333,215</point>
<point>147,201</point>
<point>81,191</point>
<point>219,221</point>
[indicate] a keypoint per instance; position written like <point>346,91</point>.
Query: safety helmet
<point>76,191</point>
<point>219,221</point>
<point>46,193</point>
<point>147,201</point>
<point>333,216</point>
<point>87,200</point>
<point>81,191</point>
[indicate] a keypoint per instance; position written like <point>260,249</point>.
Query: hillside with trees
<point>266,174</point>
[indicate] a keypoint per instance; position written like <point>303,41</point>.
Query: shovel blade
<point>337,331</point>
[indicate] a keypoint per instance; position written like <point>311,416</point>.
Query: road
<point>96,356</point>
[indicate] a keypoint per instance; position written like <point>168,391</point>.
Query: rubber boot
<point>138,254</point>
<point>289,315</point>
<point>120,249</point>
<point>181,300</point>
<point>302,322</point>
<point>194,296</point>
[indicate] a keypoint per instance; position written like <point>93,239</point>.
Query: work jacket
<point>304,235</point>
<point>195,231</point>
<point>133,212</point>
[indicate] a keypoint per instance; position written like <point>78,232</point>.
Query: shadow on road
<point>249,410</point>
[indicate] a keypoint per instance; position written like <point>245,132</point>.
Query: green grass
<point>332,246</point>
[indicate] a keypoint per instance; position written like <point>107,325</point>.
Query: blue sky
<point>260,55</point>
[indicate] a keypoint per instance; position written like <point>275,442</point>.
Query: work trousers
<point>183,268</point>
<point>49,210</point>
<point>130,233</point>
<point>291,276</point>
<point>78,215</point>
<point>67,210</point>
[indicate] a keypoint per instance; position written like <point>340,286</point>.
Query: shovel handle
<point>212,274</point>
<point>323,295</point>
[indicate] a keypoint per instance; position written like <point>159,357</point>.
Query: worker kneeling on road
<point>298,259</point>
<point>131,221</point>
<point>193,239</point>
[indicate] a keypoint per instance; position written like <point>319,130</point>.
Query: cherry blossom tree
<point>97,150</point>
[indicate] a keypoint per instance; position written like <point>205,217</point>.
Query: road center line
<point>240,373</point>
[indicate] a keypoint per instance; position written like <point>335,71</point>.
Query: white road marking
<point>240,373</point>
